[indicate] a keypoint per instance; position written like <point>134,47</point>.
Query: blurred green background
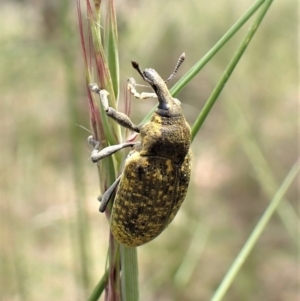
<point>49,219</point>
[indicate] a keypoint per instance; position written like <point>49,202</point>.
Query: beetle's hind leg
<point>119,117</point>
<point>97,155</point>
<point>107,194</point>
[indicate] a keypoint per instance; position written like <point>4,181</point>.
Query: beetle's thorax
<point>167,137</point>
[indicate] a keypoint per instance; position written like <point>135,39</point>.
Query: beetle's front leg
<point>119,117</point>
<point>97,155</point>
<point>131,84</point>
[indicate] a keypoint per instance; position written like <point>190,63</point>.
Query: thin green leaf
<point>98,290</point>
<point>228,71</point>
<point>260,165</point>
<point>111,129</point>
<point>129,274</point>
<point>255,235</point>
<point>210,54</point>
<point>185,79</point>
<point>111,47</point>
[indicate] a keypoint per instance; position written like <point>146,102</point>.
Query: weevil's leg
<point>119,117</point>
<point>94,143</point>
<point>107,151</point>
<point>131,84</point>
<point>108,193</point>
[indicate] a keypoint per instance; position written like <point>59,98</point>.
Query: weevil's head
<point>167,105</point>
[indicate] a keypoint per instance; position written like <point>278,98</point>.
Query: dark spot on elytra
<point>140,172</point>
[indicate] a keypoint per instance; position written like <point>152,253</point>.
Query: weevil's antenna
<point>136,66</point>
<point>180,61</point>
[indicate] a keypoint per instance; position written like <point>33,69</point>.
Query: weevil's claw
<point>94,143</point>
<point>94,87</point>
<point>131,81</point>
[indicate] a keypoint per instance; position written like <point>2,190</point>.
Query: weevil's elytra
<point>147,202</point>
<point>157,171</point>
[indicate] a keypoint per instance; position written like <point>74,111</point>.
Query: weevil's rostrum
<point>157,171</point>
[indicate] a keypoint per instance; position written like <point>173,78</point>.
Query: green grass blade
<point>228,71</point>
<point>227,36</point>
<point>112,130</point>
<point>260,165</point>
<point>255,235</point>
<point>192,256</point>
<point>98,290</point>
<point>129,274</point>
<point>209,55</point>
<point>111,47</point>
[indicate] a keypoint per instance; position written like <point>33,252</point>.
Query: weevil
<point>156,174</point>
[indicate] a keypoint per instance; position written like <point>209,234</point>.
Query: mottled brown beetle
<point>157,171</point>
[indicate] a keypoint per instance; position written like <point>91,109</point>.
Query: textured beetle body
<point>157,171</point>
<point>154,181</point>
